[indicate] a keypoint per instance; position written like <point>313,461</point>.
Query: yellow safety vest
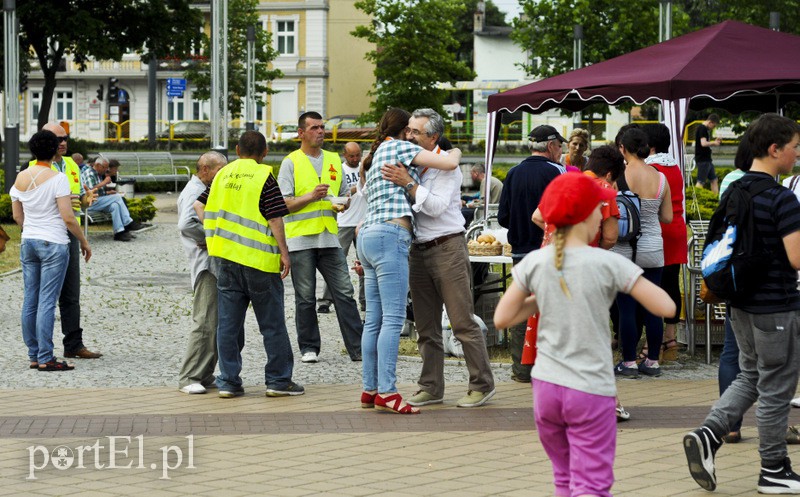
<point>73,173</point>
<point>235,229</point>
<point>317,216</point>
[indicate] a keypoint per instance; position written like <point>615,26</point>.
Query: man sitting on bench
<point>95,179</point>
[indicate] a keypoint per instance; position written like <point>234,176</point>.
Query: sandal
<point>669,350</point>
<point>793,435</point>
<point>53,365</point>
<point>34,365</point>
<point>368,400</point>
<point>394,403</point>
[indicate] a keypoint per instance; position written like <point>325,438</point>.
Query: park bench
<point>148,166</point>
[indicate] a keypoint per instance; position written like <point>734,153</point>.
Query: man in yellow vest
<point>69,302</point>
<point>243,222</point>
<point>309,178</point>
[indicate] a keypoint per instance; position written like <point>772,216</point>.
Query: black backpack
<point>630,223</point>
<point>734,258</point>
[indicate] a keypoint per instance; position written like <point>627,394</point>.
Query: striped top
<point>271,203</point>
<point>777,214</point>
<point>385,200</point>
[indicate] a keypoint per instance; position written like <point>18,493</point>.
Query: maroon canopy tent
<point>731,65</point>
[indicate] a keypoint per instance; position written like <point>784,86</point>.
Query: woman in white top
<point>41,205</point>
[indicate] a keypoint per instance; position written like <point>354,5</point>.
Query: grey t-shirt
<point>326,239</point>
<point>574,342</point>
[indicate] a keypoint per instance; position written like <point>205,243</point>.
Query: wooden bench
<point>148,166</point>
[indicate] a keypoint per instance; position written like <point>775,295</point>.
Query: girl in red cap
<point>573,285</point>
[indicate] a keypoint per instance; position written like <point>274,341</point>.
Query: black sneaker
<point>649,371</point>
<point>122,236</point>
<point>779,479</point>
<point>626,372</point>
<point>291,389</point>
<point>324,309</point>
<point>136,226</point>
<point>700,446</point>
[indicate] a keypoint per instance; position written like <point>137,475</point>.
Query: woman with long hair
<point>383,243</point>
<point>41,205</point>
<point>656,207</point>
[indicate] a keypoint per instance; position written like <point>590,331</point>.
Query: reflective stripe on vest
<point>235,229</point>
<point>317,216</point>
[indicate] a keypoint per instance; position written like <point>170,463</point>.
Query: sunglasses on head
<point>62,138</point>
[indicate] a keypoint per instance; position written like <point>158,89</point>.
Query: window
<point>175,109</point>
<point>64,105</point>
<point>285,36</point>
<point>36,104</point>
<point>201,110</point>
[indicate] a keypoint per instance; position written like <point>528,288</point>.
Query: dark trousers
<point>69,302</point>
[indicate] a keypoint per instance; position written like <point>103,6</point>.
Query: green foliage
<point>241,13</point>
<point>5,208</point>
<point>103,29</point>
<point>142,208</point>
<point>500,171</point>
<point>700,203</point>
<point>415,50</point>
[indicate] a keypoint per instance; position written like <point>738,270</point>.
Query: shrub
<point>142,209</point>
<point>700,203</point>
<point>5,208</point>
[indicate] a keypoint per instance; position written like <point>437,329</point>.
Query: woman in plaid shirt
<point>383,243</point>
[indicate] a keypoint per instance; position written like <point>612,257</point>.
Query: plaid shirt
<point>385,200</point>
<point>90,178</point>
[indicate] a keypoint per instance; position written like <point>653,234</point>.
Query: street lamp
<point>775,21</point>
<point>577,46</point>
<point>219,76</point>
<point>249,103</point>
<point>664,20</point>
<point>11,80</point>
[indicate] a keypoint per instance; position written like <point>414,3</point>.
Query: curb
<point>9,273</point>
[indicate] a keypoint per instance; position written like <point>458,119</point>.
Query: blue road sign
<point>176,83</point>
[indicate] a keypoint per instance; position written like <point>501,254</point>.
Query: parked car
<point>284,132</point>
<point>196,130</point>
<point>346,128</point>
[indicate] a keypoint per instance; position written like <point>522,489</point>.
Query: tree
<point>241,13</point>
<point>415,49</point>
<point>465,24</point>
<point>612,28</point>
<point>102,29</point>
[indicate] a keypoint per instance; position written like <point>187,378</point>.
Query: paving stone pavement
<point>118,425</point>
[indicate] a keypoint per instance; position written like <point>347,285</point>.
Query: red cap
<point>571,198</point>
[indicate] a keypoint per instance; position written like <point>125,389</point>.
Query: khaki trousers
<point>201,352</point>
<point>441,275</point>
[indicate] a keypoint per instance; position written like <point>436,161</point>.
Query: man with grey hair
<point>95,179</point>
<point>197,370</point>
<point>478,174</point>
<point>439,271</point>
<point>523,188</point>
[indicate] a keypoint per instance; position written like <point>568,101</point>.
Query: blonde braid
<point>560,240</point>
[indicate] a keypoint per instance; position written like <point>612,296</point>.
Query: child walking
<point>573,285</point>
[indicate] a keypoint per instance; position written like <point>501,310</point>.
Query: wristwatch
<point>409,186</point>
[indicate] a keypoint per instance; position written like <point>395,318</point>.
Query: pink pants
<point>578,431</point>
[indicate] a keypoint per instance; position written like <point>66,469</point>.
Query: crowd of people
<point>245,230</point>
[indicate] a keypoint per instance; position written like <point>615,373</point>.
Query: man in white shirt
<point>349,219</point>
<point>439,271</point>
<point>197,369</point>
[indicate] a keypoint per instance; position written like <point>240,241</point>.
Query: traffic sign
<point>174,93</point>
<point>176,83</point>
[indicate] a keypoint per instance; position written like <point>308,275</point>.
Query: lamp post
<point>249,102</point>
<point>577,62</point>
<point>219,76</point>
<point>152,67</point>
<point>664,20</point>
<point>775,21</point>
<point>11,81</point>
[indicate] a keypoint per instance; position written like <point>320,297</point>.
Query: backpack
<point>630,224</point>
<point>733,256</point>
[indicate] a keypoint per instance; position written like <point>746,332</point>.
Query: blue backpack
<point>630,223</point>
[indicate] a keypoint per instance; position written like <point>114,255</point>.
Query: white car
<point>284,132</point>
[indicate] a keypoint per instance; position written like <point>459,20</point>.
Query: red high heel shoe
<point>394,403</point>
<point>368,400</point>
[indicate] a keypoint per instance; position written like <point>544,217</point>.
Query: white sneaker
<point>309,357</point>
<point>795,402</point>
<point>193,388</point>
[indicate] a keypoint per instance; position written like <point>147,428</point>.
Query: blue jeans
<point>114,205</point>
<point>383,251</point>
<point>238,286</point>
<point>729,362</point>
<point>332,265</point>
<point>629,332</point>
<point>44,265</point>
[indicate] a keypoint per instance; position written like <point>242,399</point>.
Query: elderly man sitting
<point>95,179</point>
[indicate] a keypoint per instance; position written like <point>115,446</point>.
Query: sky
<point>510,7</point>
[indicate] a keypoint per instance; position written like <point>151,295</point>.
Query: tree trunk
<point>47,96</point>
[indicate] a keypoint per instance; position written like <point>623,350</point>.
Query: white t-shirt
<point>574,340</point>
<point>42,219</point>
<point>358,204</point>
